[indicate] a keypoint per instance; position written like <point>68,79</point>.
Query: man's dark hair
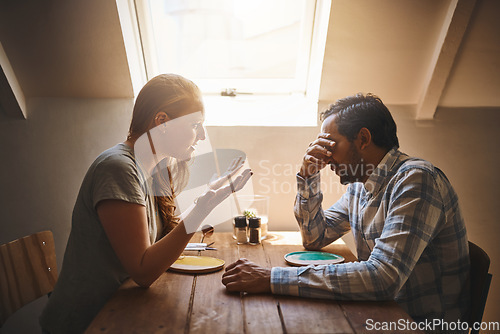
<point>360,111</point>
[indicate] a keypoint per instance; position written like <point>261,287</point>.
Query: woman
<point>124,223</point>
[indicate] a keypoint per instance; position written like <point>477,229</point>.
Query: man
<point>404,214</point>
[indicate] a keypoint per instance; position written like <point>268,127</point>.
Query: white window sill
<point>253,110</point>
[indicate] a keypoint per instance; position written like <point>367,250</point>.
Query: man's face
<point>346,160</point>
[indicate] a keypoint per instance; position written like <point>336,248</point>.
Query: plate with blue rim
<point>305,258</point>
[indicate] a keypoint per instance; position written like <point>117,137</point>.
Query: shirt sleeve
<point>319,228</point>
<point>117,178</point>
<point>413,218</point>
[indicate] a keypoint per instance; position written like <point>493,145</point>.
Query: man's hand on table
<point>245,276</point>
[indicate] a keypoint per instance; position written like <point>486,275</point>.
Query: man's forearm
<point>308,211</point>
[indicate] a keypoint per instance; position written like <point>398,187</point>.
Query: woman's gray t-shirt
<point>91,271</point>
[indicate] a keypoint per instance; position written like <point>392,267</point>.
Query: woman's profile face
<point>178,137</point>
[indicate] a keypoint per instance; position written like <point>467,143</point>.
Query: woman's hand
<point>214,196</point>
<point>234,167</point>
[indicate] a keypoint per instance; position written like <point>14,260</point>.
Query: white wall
<point>46,156</point>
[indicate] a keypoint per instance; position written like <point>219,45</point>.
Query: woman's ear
<point>365,138</point>
<point>160,118</point>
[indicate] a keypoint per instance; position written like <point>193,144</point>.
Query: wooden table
<point>183,303</point>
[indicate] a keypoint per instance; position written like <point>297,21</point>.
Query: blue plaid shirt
<point>410,238</point>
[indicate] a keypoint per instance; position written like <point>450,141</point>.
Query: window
<point>255,61</point>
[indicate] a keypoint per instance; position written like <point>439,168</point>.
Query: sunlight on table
<point>290,238</point>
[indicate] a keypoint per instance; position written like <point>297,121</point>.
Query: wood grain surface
<point>186,303</point>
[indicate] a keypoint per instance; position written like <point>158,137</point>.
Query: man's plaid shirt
<point>410,238</point>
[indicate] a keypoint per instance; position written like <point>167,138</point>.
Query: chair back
<point>28,270</point>
<point>480,283</point>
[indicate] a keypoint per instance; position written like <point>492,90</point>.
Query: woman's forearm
<point>158,257</point>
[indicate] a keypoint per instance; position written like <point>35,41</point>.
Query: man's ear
<point>161,117</point>
<point>364,137</point>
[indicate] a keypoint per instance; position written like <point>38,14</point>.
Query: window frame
<point>304,95</point>
<point>295,85</point>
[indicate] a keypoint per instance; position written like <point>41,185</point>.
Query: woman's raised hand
<point>233,168</point>
<point>218,193</point>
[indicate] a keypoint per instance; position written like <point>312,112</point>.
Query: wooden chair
<point>480,283</point>
<point>28,270</point>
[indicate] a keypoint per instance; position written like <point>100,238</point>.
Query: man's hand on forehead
<point>318,154</point>
<point>325,140</point>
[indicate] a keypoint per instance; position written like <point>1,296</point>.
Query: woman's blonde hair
<point>176,96</point>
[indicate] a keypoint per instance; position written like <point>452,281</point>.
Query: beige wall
<point>474,79</point>
<point>46,156</point>
<point>363,49</point>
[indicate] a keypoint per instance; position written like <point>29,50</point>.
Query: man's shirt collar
<point>387,166</point>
